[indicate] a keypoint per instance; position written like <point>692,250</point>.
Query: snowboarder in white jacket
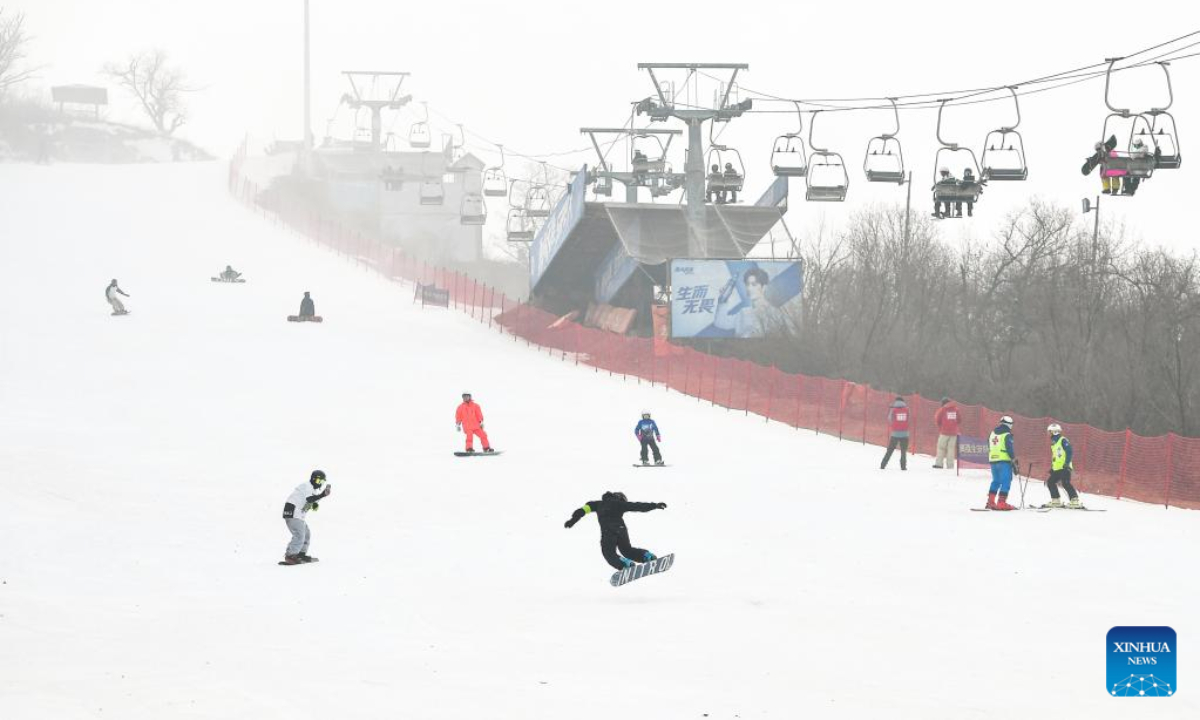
<point>304,498</point>
<point>110,294</point>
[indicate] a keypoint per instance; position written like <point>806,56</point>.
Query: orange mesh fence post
<point>865,395</point>
<point>841,409</point>
<point>749,374</point>
<point>1170,469</point>
<point>1124,460</point>
<point>770,390</point>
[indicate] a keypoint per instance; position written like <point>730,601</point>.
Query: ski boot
<point>1075,504</point>
<point>1055,503</point>
<point>291,560</point>
<point>645,462</point>
<point>1002,502</point>
<point>991,503</point>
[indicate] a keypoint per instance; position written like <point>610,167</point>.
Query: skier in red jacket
<point>469,419</point>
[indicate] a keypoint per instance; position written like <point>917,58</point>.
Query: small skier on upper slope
<point>614,536</point>
<point>647,434</point>
<point>110,294</point>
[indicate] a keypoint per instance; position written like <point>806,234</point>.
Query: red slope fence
<point>1163,469</point>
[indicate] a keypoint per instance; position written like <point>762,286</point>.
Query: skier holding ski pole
<point>1002,457</point>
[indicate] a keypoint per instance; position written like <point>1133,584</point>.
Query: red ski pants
<point>471,433</point>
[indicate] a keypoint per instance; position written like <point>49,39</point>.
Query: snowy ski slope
<point>146,459</point>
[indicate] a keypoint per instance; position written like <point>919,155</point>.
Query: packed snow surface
<point>146,459</point>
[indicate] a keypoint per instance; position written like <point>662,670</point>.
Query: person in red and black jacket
<point>898,431</point>
<point>946,418</point>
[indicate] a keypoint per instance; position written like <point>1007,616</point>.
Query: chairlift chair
<point>1166,141</point>
<point>419,135</point>
<point>473,210</point>
<point>884,161</point>
<point>603,187</point>
<point>645,164</point>
<point>720,181</point>
<point>963,191</point>
<point>495,182</point>
<point>537,202</point>
<point>519,227</point>
<point>1004,150</point>
<point>1137,166</point>
<point>789,157</point>
<point>827,179</point>
<point>432,191</point>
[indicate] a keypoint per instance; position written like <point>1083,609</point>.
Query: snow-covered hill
<point>146,460</point>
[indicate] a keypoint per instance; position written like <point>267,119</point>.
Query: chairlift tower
<point>694,117</point>
<point>652,172</point>
<point>376,105</point>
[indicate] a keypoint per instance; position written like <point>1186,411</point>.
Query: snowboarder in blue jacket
<point>647,434</point>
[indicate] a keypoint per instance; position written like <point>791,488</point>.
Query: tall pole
<point>694,188</point>
<point>306,144</point>
<point>907,208</point>
<point>1096,229</point>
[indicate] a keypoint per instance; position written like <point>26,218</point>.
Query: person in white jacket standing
<point>110,294</point>
<point>304,498</point>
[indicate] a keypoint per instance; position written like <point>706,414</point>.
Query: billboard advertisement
<point>733,298</point>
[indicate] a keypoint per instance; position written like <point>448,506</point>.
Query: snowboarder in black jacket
<point>614,536</point>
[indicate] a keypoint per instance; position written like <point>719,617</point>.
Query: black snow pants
<point>649,444</point>
<point>1061,476</point>
<point>616,539</point>
<point>902,443</point>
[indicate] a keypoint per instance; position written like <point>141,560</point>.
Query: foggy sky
<point>530,73</point>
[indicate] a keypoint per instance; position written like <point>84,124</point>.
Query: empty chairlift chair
<point>419,134</point>
<point>495,182</point>
<point>537,202</point>
<point>827,179</point>
<point>1004,151</point>
<point>519,227</point>
<point>884,161</point>
<point>473,210</point>
<point>789,157</point>
<point>1164,136</point>
<point>432,191</point>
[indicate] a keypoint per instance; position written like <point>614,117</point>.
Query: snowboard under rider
<point>614,536</point>
<point>110,294</point>
<point>468,418</point>
<point>647,433</point>
<point>307,308</point>
<point>304,498</point>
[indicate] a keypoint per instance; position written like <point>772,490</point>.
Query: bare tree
<point>158,87</point>
<point>13,42</point>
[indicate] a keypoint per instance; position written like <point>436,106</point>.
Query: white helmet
<point>645,413</point>
<point>1054,429</point>
<point>1006,420</point>
<point>1138,143</point>
<point>944,170</point>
